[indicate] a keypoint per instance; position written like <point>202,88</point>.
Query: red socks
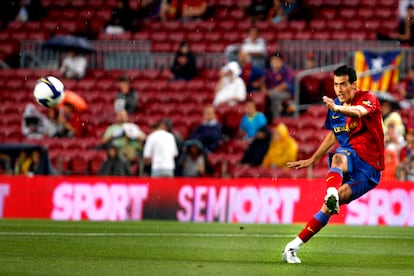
<point>334,178</point>
<point>313,226</point>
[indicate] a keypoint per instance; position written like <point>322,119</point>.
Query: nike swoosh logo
<point>329,178</point>
<point>335,117</point>
<point>310,229</point>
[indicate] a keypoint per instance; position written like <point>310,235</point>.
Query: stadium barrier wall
<point>257,200</point>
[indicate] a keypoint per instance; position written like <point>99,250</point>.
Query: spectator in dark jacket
<point>257,149</point>
<point>184,65</point>
<point>127,97</point>
<point>209,131</point>
<point>114,164</point>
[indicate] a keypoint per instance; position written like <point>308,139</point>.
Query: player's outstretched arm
<point>323,148</point>
<point>347,110</point>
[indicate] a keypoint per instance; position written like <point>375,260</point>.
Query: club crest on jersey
<point>367,103</point>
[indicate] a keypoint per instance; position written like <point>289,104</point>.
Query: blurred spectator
<point>192,162</point>
<point>169,10</point>
<point>193,9</point>
<point>33,123</point>
<point>408,172</point>
<point>127,97</point>
<point>406,154</point>
<point>405,31</point>
<point>51,124</point>
<point>209,131</point>
<point>21,163</point>
<point>391,165</point>
<point>258,147</point>
<point>283,148</point>
<point>160,151</point>
<point>149,9</point>
<point>390,115</point>
<point>394,140</point>
<point>70,121</point>
<point>73,66</point>
<point>254,44</point>
<point>310,60</point>
<point>115,164</point>
<point>258,10</point>
<point>230,88</point>
<point>125,136</point>
<point>407,90</point>
<point>251,121</point>
<point>279,83</point>
<point>252,75</point>
<point>287,10</point>
<point>29,10</point>
<point>184,66</point>
<point>122,18</point>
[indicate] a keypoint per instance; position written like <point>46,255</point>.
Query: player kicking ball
<point>355,121</point>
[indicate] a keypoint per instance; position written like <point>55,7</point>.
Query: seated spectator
<point>390,115</point>
<point>279,83</point>
<point>252,74</point>
<point>230,88</point>
<point>283,148</point>
<point>149,9</point>
<point>21,163</point>
<point>29,10</point>
<point>209,131</point>
<point>169,10</point>
<point>254,44</point>
<point>251,121</point>
<point>184,66</point>
<point>288,10</point>
<point>192,162</point>
<point>73,66</point>
<point>391,165</point>
<point>129,143</point>
<point>406,154</point>
<point>258,147</point>
<point>407,90</point>
<point>34,125</point>
<point>127,97</point>
<point>405,31</point>
<point>122,18</point>
<point>193,9</point>
<point>115,164</point>
<point>70,121</point>
<point>258,10</point>
<point>406,170</point>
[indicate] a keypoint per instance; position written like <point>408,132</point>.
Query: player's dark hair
<point>346,70</point>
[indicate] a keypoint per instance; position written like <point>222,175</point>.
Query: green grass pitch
<point>41,247</point>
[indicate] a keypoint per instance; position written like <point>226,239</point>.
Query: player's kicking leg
<point>320,219</point>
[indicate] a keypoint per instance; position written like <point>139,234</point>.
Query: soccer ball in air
<point>49,91</point>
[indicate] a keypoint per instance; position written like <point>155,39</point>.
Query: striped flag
<point>378,79</point>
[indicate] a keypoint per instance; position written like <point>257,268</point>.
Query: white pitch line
<point>208,235</point>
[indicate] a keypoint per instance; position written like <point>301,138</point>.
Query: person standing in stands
<point>279,83</point>
<point>160,151</point>
<point>354,120</point>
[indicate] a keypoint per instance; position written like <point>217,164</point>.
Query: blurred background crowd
<point>224,99</point>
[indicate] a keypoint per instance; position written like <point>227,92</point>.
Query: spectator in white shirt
<point>230,88</point>
<point>253,44</point>
<point>160,151</point>
<point>73,66</point>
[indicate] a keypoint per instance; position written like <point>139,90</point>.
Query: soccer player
<point>354,120</point>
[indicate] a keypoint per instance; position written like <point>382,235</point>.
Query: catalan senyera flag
<point>378,81</point>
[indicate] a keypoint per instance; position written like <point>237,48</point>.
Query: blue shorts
<point>361,176</point>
